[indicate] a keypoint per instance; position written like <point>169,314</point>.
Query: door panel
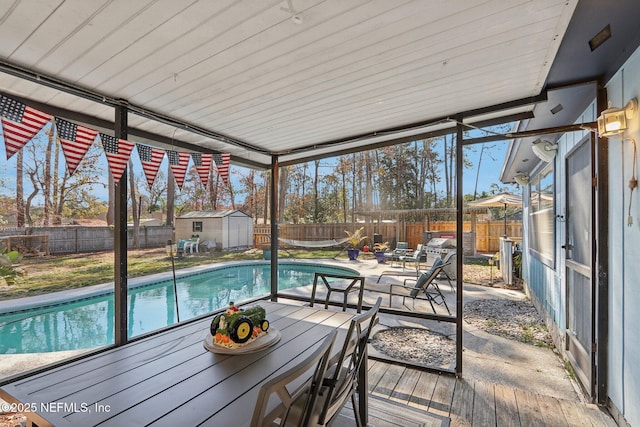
<point>578,257</point>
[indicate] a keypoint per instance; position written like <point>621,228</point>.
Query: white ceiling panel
<point>254,83</point>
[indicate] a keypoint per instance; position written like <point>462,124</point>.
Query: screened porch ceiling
<point>295,78</point>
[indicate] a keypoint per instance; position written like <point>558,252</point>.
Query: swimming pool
<point>88,322</point>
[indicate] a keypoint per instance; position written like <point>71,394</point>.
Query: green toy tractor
<point>239,324</point>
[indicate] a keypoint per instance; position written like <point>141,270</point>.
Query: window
<point>541,214</point>
<point>197,226</point>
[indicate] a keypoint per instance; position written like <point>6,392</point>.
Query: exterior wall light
<point>544,150</point>
<point>613,121</point>
<point>521,178</point>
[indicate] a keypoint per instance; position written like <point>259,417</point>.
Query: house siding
<point>624,255</point>
<point>546,283</point>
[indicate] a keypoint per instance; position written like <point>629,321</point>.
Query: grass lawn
<point>61,272</point>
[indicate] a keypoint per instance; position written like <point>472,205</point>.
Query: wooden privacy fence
<point>78,239</point>
<point>487,233</point>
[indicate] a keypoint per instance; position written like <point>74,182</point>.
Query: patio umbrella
<point>498,201</point>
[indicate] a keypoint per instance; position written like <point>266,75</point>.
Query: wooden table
<point>171,379</point>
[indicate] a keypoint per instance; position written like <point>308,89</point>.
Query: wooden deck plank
<point>506,407</point>
<point>443,395</point>
<point>389,380</point>
<point>462,404</point>
<point>376,371</point>
<point>551,411</point>
<point>529,409</point>
<point>484,405</point>
<point>579,414</point>
<point>405,387</point>
<point>423,392</point>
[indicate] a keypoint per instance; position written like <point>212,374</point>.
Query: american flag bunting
<point>118,152</point>
<point>76,141</point>
<point>20,124</point>
<point>180,169</point>
<point>222,163</point>
<point>151,158</point>
<point>203,166</point>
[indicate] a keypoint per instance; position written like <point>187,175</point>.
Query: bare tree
<point>134,203</point>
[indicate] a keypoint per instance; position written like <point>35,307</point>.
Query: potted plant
<point>353,241</point>
<point>379,249</point>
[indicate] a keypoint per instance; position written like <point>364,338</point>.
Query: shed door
<point>579,256</point>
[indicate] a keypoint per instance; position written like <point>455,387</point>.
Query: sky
<point>490,168</point>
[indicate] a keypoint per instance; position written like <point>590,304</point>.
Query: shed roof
<point>213,214</point>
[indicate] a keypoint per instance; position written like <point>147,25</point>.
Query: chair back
<point>312,369</point>
<point>343,373</point>
<point>427,277</point>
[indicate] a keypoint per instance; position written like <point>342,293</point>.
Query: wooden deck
<point>474,403</point>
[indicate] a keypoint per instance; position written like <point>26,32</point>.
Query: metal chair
<point>356,284</point>
<point>425,287</point>
<point>312,370</point>
<point>344,373</point>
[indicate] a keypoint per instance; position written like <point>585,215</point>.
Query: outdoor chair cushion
<point>424,277</point>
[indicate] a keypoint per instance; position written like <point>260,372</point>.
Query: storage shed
<point>228,229</point>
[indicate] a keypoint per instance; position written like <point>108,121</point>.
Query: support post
<point>601,224</point>
<point>273,212</point>
<point>120,239</point>
<point>459,240</point>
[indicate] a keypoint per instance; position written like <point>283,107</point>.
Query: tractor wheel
<point>264,325</point>
<point>215,324</point>
<point>242,330</point>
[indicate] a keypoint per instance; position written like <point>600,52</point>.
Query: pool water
<point>86,323</point>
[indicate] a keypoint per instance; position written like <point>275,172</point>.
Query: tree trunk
<point>46,220</point>
<point>282,192</point>
<point>134,204</point>
<point>57,220</point>
<point>27,208</point>
<point>316,214</point>
<point>111,189</point>
<point>19,189</point>
<point>171,194</point>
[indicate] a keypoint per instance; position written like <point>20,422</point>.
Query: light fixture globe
<point>544,150</point>
<point>613,121</point>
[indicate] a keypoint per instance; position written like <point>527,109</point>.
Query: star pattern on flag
<point>118,152</point>
<point>20,123</point>
<point>174,157</point>
<point>222,163</point>
<point>151,158</point>
<point>180,169</point>
<point>203,166</point>
<point>76,141</point>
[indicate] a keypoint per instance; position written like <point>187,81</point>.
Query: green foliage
<point>355,238</point>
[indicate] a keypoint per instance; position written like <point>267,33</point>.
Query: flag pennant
<point>20,123</point>
<point>118,152</point>
<point>174,157</point>
<point>222,163</point>
<point>203,166</point>
<point>76,141</point>
<point>180,169</point>
<point>151,158</point>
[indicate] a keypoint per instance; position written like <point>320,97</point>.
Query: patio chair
<point>425,288</point>
<point>192,245</point>
<point>356,284</point>
<point>311,370</point>
<point>415,257</point>
<point>401,249</point>
<point>343,375</point>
